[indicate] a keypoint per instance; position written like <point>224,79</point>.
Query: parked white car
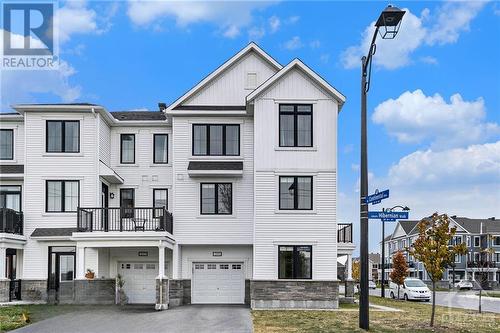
<point>372,285</point>
<point>411,289</point>
<point>464,284</point>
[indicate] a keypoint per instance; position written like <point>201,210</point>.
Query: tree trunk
<point>398,292</point>
<point>433,302</point>
<point>480,295</point>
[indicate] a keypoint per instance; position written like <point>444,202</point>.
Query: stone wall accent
<point>187,291</point>
<point>179,292</point>
<point>97,291</point>
<point>349,288</point>
<point>162,294</point>
<point>4,290</point>
<point>247,292</point>
<point>34,290</point>
<point>294,294</point>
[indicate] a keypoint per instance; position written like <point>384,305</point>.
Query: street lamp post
<point>382,291</point>
<point>389,20</point>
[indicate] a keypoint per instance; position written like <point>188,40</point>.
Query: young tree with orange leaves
<point>433,249</point>
<point>399,269</point>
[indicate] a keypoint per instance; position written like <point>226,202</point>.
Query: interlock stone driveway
<point>144,319</point>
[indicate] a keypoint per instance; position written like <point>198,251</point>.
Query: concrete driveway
<point>143,319</point>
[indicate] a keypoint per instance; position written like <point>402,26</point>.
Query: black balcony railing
<point>481,264</point>
<point>11,221</point>
<point>344,233</point>
<point>124,219</point>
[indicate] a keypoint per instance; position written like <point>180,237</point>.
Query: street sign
<point>388,216</point>
<point>377,197</point>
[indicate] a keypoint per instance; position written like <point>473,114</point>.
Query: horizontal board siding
<point>229,88</point>
<point>104,141</point>
<point>189,226</point>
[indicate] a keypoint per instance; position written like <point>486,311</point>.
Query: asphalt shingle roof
<point>204,165</point>
<point>138,115</point>
<point>14,168</point>
<point>474,225</point>
<point>53,232</point>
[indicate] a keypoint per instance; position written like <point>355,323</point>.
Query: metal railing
<point>124,219</point>
<point>11,221</point>
<point>344,233</point>
<point>14,290</point>
<point>482,264</point>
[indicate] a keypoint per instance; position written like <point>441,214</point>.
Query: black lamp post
<point>405,208</point>
<point>390,21</point>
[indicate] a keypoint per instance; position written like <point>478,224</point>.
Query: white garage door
<point>218,283</point>
<point>140,281</point>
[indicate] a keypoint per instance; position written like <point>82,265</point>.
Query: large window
<point>127,148</point>
<point>6,144</point>
<point>127,202</point>
<point>296,125</point>
<point>216,140</point>
<point>62,195</point>
<point>160,199</point>
<point>61,265</point>
<point>295,193</point>
<point>63,136</point>
<point>295,262</point>
<point>10,197</point>
<point>216,198</point>
<point>160,148</point>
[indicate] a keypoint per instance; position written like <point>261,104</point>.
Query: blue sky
<point>434,102</point>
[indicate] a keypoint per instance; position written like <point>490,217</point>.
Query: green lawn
<point>414,318</point>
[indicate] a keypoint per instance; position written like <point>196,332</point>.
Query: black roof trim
<point>138,115</point>
<point>211,107</point>
<point>13,168</point>
<point>62,104</point>
<point>216,165</point>
<point>53,232</point>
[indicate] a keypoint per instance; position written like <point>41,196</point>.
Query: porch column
<point>175,262</point>
<point>473,275</point>
<point>3,268</point>
<point>161,262</point>
<point>80,263</point>
<point>348,266</point>
<point>494,276</point>
<point>162,282</point>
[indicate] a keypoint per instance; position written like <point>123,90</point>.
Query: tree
<point>433,249</point>
<point>356,270</point>
<point>399,269</point>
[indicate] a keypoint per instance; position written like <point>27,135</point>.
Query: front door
<point>10,264</point>
<point>104,204</point>
<point>61,266</point>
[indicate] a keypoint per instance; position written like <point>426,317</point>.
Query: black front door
<point>10,267</point>
<point>105,204</point>
<point>62,265</point>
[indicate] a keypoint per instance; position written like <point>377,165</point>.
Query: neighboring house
<point>228,195</point>
<point>477,234</point>
<point>373,264</point>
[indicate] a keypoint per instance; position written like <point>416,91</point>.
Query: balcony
<point>482,264</point>
<point>11,221</point>
<point>124,219</point>
<point>344,233</point>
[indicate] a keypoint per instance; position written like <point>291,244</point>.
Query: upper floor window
<point>62,195</point>
<point>6,144</point>
<point>10,197</point>
<point>160,199</point>
<point>216,140</point>
<point>295,262</point>
<point>63,136</point>
<point>216,198</point>
<point>296,125</point>
<point>127,148</point>
<point>477,241</point>
<point>160,148</point>
<point>496,240</point>
<point>295,193</point>
<point>127,200</point>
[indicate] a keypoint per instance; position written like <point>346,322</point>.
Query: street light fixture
<point>390,21</point>
<point>405,208</point>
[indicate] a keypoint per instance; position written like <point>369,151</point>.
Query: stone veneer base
<point>4,290</point>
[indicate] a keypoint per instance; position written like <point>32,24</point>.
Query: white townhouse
<point>228,195</point>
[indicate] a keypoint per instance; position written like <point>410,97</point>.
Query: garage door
<point>140,281</point>
<point>218,283</point>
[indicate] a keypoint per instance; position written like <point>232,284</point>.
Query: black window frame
<point>216,200</point>
<point>54,282</point>
<point>154,148</point>
<point>19,191</point>
<point>224,126</point>
<point>127,212</point>
<point>63,191</point>
<point>295,196</point>
<point>295,260</point>
<point>154,199</point>
<point>12,140</point>
<point>63,136</point>
<point>295,114</point>
<point>121,148</point>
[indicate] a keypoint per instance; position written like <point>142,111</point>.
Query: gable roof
<point>297,63</point>
<point>247,49</point>
<point>474,225</point>
<point>408,226</point>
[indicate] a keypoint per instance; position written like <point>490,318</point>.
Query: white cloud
<point>274,24</point>
<point>293,44</point>
<point>325,58</point>
<point>315,44</point>
<point>228,15</point>
<point>443,27</point>
<point>256,33</point>
<point>292,19</point>
<point>414,117</point>
<point>232,31</point>
<point>429,60</point>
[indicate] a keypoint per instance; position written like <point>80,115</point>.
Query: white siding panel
<point>230,88</point>
<point>104,142</point>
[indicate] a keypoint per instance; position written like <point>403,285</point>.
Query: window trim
<point>63,192</point>
<point>479,238</point>
<point>295,114</point>
<point>20,192</point>
<point>123,214</point>
<point>11,130</point>
<point>216,200</point>
<point>224,126</point>
<point>295,261</point>
<point>154,147</point>
<point>121,148</point>
<point>63,136</point>
<point>295,197</point>
<point>57,282</point>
